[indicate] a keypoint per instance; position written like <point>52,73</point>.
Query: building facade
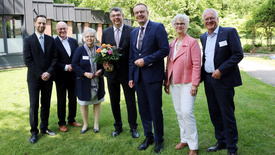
<point>16,22</point>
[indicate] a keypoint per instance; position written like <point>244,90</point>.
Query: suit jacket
<point>155,47</point>
<point>37,61</point>
<point>186,67</point>
<point>83,84</point>
<point>64,58</point>
<point>228,53</point>
<point>121,67</point>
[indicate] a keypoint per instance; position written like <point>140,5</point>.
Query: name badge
<point>223,43</point>
<point>85,57</point>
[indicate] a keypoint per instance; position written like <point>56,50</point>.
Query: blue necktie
<point>41,40</point>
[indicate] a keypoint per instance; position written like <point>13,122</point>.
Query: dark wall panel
<point>42,9</point>
<point>19,7</point>
<point>72,14</point>
<point>49,11</point>
<point>8,7</point>
<point>59,13</point>
<point>65,11</point>
<point>77,16</point>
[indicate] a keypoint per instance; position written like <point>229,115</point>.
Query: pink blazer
<point>186,67</point>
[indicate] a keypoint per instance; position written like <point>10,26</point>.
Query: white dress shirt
<point>67,47</point>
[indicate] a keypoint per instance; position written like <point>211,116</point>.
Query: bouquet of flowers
<point>107,53</point>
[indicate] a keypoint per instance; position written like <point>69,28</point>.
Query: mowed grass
<point>254,103</point>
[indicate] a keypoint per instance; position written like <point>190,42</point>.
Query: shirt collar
<point>145,25</point>
<point>61,39</point>
<point>121,27</point>
<point>215,32</point>
<point>38,35</point>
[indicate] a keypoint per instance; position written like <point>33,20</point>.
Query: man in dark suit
<point>148,47</point>
<point>119,35</point>
<point>40,57</point>
<point>222,51</point>
<point>65,77</point>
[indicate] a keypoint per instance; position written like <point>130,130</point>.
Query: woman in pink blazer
<point>182,79</point>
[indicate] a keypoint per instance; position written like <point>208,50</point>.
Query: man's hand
<point>89,75</point>
<point>98,73</point>
<point>217,74</point>
<point>167,90</point>
<point>70,69</point>
<point>45,76</point>
<point>131,83</point>
<point>140,62</point>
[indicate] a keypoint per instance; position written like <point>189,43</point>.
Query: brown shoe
<point>193,152</point>
<point>75,124</point>
<point>181,145</point>
<point>63,128</point>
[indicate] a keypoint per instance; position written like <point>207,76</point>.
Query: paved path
<point>261,71</point>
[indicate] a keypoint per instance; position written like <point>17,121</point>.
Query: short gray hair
<point>210,9</point>
<point>60,23</point>
<point>89,30</point>
<point>116,9</point>
<point>180,16</point>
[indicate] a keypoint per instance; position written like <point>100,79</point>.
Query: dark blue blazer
<point>226,57</point>
<point>64,58</point>
<point>37,61</point>
<point>155,47</point>
<point>83,84</point>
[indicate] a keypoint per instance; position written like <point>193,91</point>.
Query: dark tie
<point>140,39</point>
<point>41,40</point>
<point>117,37</point>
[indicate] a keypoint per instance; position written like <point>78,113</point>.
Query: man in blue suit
<point>148,47</point>
<point>65,77</point>
<point>222,51</point>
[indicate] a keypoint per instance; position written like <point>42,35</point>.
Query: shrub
<point>247,48</point>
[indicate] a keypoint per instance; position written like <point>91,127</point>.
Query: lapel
<point>135,35</point>
<point>123,34</point>
<point>183,47</point>
<point>59,43</point>
<point>112,36</point>
<point>36,42</point>
<point>147,31</point>
<point>218,40</point>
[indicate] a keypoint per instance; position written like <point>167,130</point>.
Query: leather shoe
<point>146,143</point>
<point>235,153</point>
<point>116,132</point>
<point>63,128</point>
<point>158,147</point>
<point>193,152</point>
<point>33,138</point>
<point>135,133</point>
<point>84,131</point>
<point>217,147</point>
<point>96,130</point>
<point>180,145</point>
<point>48,132</point>
<point>75,124</point>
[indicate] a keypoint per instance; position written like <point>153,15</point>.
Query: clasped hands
<point>45,76</point>
<point>217,74</point>
<point>91,75</point>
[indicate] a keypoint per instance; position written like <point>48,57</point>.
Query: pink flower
<point>110,52</point>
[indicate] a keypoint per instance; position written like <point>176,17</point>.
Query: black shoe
<point>33,138</point>
<point>235,153</point>
<point>146,143</point>
<point>48,132</point>
<point>217,147</point>
<point>158,147</point>
<point>116,132</point>
<point>135,133</point>
<point>84,131</point>
<point>96,130</point>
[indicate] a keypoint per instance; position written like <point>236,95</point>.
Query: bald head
<point>61,29</point>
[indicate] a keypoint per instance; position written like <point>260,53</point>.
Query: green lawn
<point>254,113</point>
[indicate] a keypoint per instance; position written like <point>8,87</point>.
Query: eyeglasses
<point>117,15</point>
<point>62,29</point>
<point>209,19</point>
<point>89,36</point>
<point>179,24</point>
<point>141,12</point>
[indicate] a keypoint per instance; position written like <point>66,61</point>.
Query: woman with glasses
<point>182,79</point>
<point>89,79</point>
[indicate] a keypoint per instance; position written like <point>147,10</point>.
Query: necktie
<point>117,37</point>
<point>41,40</point>
<point>140,39</point>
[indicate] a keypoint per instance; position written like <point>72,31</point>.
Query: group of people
<point>140,69</point>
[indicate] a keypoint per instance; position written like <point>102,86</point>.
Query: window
<point>94,26</point>
<point>14,34</point>
<point>2,50</point>
<point>77,32</point>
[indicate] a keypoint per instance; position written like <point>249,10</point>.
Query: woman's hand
<point>167,90</point>
<point>98,73</point>
<point>194,90</point>
<point>89,75</point>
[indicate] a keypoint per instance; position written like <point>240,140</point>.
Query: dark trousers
<point>46,90</point>
<point>150,104</point>
<point>221,108</point>
<point>62,87</point>
<point>129,94</point>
